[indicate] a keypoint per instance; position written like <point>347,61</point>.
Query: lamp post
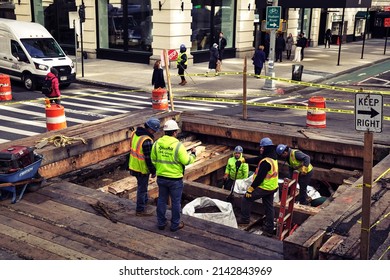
<point>82,19</point>
<point>269,84</point>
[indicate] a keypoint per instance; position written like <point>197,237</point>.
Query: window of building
<point>209,18</point>
<point>125,29</point>
<point>54,15</point>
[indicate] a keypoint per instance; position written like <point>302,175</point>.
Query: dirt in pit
<point>106,178</point>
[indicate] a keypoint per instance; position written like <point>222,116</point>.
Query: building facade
<point>138,30</point>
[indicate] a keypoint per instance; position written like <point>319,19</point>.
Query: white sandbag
<point>241,185</point>
<point>225,217</point>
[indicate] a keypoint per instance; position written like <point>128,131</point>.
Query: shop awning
<point>361,15</point>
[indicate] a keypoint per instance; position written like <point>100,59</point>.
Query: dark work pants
<point>181,73</point>
<point>268,203</point>
<point>142,192</point>
<point>303,181</point>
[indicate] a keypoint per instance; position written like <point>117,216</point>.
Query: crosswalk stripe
<point>3,140</point>
<point>17,131</point>
<point>44,115</point>
<point>27,122</point>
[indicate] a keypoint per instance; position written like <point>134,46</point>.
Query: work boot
<point>143,214</point>
<point>183,83</point>
<point>180,226</point>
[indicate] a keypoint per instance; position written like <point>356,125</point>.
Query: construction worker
<point>170,156</point>
<point>300,161</point>
<point>182,61</point>
<point>264,185</point>
<point>235,168</point>
<point>140,164</point>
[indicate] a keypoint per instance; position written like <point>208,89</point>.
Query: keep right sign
<point>368,112</point>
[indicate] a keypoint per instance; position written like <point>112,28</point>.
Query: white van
<point>28,51</point>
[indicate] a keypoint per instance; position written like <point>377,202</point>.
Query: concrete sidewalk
<point>319,63</point>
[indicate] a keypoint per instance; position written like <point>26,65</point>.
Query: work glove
<point>242,160</point>
<point>225,177</point>
<point>249,191</point>
<point>304,170</point>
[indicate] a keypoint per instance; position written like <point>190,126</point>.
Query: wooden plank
<point>334,241</point>
<point>209,241</point>
<point>36,241</point>
<point>60,244</point>
<point>24,250</point>
<point>232,128</point>
<point>97,249</point>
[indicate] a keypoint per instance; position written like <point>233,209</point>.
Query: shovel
<point>230,196</point>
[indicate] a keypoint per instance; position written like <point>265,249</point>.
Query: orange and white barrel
<point>315,116</point>
<point>160,99</point>
<point>5,87</point>
<point>55,117</point>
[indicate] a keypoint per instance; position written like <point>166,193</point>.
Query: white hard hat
<point>171,125</point>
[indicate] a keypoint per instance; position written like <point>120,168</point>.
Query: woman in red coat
<point>55,86</point>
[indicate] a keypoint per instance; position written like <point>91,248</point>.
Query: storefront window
<point>209,17</point>
<point>125,29</point>
<point>54,15</point>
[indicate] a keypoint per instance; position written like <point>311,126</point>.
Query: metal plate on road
<point>273,17</point>
<point>368,112</point>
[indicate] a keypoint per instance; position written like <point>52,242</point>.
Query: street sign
<point>387,22</point>
<point>273,17</point>
<point>172,55</point>
<point>368,112</point>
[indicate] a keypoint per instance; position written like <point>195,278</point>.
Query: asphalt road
<point>25,115</point>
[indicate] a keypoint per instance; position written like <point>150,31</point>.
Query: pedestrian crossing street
<point>28,118</point>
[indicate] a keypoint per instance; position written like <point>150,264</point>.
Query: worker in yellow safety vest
<point>264,185</point>
<point>170,156</point>
<point>297,160</point>
<point>235,168</point>
<point>140,164</point>
<point>182,61</point>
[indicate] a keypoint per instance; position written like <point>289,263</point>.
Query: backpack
<point>47,86</point>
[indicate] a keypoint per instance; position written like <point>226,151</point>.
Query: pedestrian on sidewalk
<point>289,44</point>
<point>303,45</point>
<point>235,168</point>
<point>182,61</point>
<point>280,46</point>
<point>170,156</point>
<point>264,185</point>
<point>298,49</point>
<point>158,75</point>
<point>221,45</point>
<point>140,164</point>
<point>214,57</point>
<point>54,89</point>
<point>258,60</point>
<point>328,37</point>
<point>297,160</point>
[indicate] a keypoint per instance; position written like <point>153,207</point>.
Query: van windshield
<point>43,48</point>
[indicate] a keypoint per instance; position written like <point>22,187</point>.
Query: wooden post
<point>366,201</point>
<point>166,60</point>
<point>244,87</point>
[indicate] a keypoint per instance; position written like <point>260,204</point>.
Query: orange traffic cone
<point>338,41</point>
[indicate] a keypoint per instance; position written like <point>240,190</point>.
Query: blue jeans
<point>142,192</point>
<point>173,189</point>
<point>268,203</point>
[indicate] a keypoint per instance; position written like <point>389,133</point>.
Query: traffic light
<point>82,12</point>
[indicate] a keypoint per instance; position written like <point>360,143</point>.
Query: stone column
<point>171,27</point>
<point>245,28</point>
<point>292,23</point>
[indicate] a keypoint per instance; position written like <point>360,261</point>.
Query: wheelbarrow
<point>23,177</point>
